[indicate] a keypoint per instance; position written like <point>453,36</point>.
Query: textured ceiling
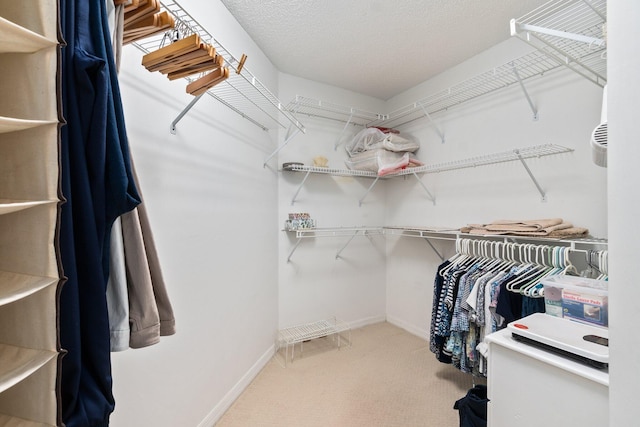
<point>375,47</point>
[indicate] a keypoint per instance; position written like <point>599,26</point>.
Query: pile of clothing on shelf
<point>551,227</point>
<point>381,150</point>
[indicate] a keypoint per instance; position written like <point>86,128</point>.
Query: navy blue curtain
<point>98,186</point>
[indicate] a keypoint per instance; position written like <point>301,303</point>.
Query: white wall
<point>231,289</point>
<point>624,208</point>
<point>569,108</point>
<point>213,209</point>
<point>314,285</point>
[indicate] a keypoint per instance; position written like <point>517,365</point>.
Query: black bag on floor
<point>473,407</point>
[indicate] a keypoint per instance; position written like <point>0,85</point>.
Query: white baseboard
<point>366,321</point>
<point>422,333</point>
<point>218,411</point>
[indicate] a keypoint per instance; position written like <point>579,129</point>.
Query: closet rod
<point>571,247</point>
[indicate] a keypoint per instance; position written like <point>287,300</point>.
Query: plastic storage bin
<point>577,298</point>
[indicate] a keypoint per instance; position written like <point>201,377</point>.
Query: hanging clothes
<point>138,303</point>
<point>475,295</point>
<point>98,186</point>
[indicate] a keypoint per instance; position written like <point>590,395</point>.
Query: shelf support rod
<point>172,129</point>
<point>526,94</point>
<point>293,200</point>
<point>286,141</point>
<point>346,244</point>
<point>434,249</point>
<point>437,129</point>
<point>335,146</point>
<point>368,190</point>
<point>562,34</point>
<point>294,249</point>
<point>433,199</point>
<point>533,178</point>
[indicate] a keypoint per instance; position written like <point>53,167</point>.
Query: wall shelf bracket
<point>293,200</point>
<point>526,94</point>
<point>533,178</point>
<point>433,199</point>
<point>434,249</point>
<point>294,249</point>
<point>435,126</point>
<point>375,181</point>
<point>286,141</point>
<point>193,102</point>
<point>348,122</point>
<point>346,244</point>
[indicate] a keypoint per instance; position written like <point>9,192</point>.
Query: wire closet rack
<point>571,32</point>
<point>564,33</point>
<point>242,92</point>
<point>517,154</point>
<point>331,327</point>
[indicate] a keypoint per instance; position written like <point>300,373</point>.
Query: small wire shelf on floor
<point>333,328</point>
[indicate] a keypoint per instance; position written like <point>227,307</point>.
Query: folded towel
<point>526,225</point>
<point>564,229</point>
<point>570,232</point>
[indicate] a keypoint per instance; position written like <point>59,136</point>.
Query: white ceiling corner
<point>375,47</point>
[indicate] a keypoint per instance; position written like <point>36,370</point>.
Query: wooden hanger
<point>172,51</point>
<point>203,84</point>
<point>201,54</point>
<point>145,8</point>
<point>164,22</point>
<point>130,5</point>
<point>214,63</point>
<point>196,54</point>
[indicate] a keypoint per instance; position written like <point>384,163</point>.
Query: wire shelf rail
<point>242,92</point>
<point>517,154</point>
<point>516,71</point>
<point>572,32</point>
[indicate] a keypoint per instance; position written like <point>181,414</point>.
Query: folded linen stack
<point>382,151</point>
<point>551,227</point>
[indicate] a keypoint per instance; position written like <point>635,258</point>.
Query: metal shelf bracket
<point>172,129</point>
<point>375,181</point>
<point>293,200</point>
<point>335,146</point>
<point>533,178</point>
<point>294,249</point>
<point>434,124</point>
<point>526,94</point>
<point>346,244</point>
<point>286,141</point>
<point>434,249</point>
<point>433,199</point>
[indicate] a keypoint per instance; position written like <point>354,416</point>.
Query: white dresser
<point>530,387</point>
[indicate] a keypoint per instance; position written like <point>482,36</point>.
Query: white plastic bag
<point>366,139</point>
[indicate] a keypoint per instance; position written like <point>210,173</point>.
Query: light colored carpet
<point>386,378</point>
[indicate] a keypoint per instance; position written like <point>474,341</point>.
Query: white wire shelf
<point>447,233</point>
<point>518,154</point>
<point>533,64</point>
<point>350,232</point>
<point>565,33</point>
<point>289,337</point>
<point>336,232</point>
<point>440,233</point>
<point>572,32</point>
<point>331,111</point>
<point>241,92</point>
<point>535,151</point>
